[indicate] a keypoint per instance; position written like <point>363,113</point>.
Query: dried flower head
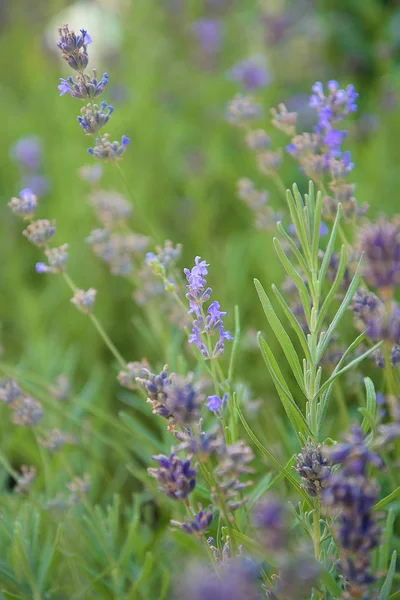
<point>109,151</point>
<point>199,523</point>
<point>57,258</point>
<point>27,412</point>
<point>93,118</point>
<point>176,478</point>
<point>40,232</point>
<point>84,300</point>
<point>284,120</point>
<point>25,479</point>
<point>24,206</point>
<point>241,110</point>
<point>380,243</point>
<point>10,391</point>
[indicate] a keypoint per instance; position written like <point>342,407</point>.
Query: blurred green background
<point>184,159</point>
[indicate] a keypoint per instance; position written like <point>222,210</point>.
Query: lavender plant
<point>307,519</point>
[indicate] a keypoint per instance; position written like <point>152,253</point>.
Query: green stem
<point>317,532</point>
<point>103,334</point>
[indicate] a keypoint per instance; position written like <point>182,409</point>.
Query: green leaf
<point>371,406</point>
<point>386,540</point>
<point>293,412</point>
<point>379,505</point>
<point>330,584</point>
<point>316,216</point>
<point>334,288</point>
<point>144,575</point>
<point>331,245</point>
<point>282,336</point>
<point>351,364</point>
<point>270,457</point>
<point>235,346</point>
<point>337,318</point>
<point>249,543</point>
<point>368,420</point>
<point>300,259</point>
<point>297,216</point>
<point>141,432</point>
<point>296,277</point>
<point>387,585</point>
<point>293,321</point>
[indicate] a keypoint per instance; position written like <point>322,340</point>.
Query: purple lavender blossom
<point>237,580</point>
<point>176,478</point>
<point>198,294</point>
<point>94,118</point>
<point>24,206</point>
<point>200,522</point>
<point>208,33</point>
<point>27,152</point>
<point>380,243</point>
<point>215,403</point>
<point>84,86</point>
<point>313,469</point>
<point>74,47</point>
<point>351,493</point>
<point>109,151</point>
<point>251,73</point>
<point>37,182</point>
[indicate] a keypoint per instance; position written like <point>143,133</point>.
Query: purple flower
<point>84,86</point>
<point>109,151</point>
<point>251,73</point>
<point>94,118</point>
<point>215,403</point>
<point>201,522</point>
<point>176,478</point>
<point>198,294</point>
<point>25,205</point>
<point>351,493</point>
<point>313,469</point>
<point>39,184</point>
<point>27,152</point>
<point>208,33</point>
<point>380,243</point>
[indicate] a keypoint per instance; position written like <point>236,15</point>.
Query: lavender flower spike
<point>109,151</point>
<point>176,478</point>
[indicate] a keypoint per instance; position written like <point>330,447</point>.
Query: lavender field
<point>199,315</point>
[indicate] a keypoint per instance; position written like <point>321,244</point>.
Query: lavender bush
<point>197,489</point>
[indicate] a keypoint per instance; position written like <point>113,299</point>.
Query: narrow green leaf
<point>387,586</point>
<point>342,308</point>
<point>330,584</point>
<point>249,543</point>
<point>139,431</point>
<point>368,420</point>
<point>293,412</point>
<point>331,245</point>
<point>293,321</point>
<point>386,540</point>
<point>334,288</point>
<point>379,505</point>
<point>351,364</point>
<point>293,246</point>
<point>296,213</point>
<point>235,346</point>
<point>317,226</point>
<point>303,234</point>
<point>282,337</point>
<point>297,279</point>
<point>371,405</point>
<point>144,575</point>
<point>326,396</point>
<point>270,457</point>
<point>164,585</point>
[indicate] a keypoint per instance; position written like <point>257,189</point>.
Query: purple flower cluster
<point>74,50</point>
<point>380,321</point>
<point>351,494</point>
<point>27,153</point>
<point>313,469</point>
<point>320,154</point>
<point>176,478</point>
<point>26,411</point>
<point>200,522</point>
<point>204,325</point>
<point>173,397</point>
<point>380,243</point>
<point>251,73</point>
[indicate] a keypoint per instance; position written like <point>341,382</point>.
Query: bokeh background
<point>168,63</point>
<point>169,83</point>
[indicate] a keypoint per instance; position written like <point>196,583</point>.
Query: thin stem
<point>103,334</point>
<point>317,532</point>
